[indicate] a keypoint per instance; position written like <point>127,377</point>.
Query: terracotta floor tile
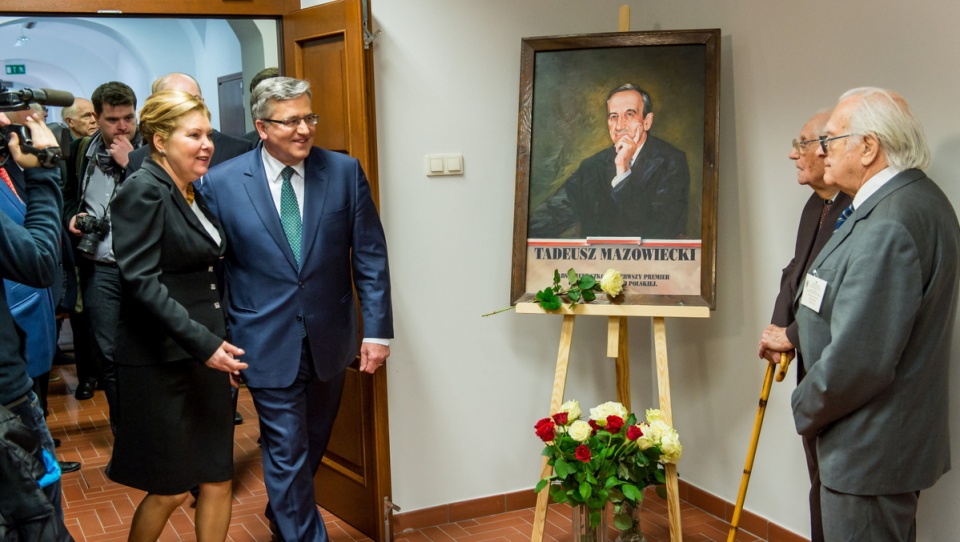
<point>99,510</point>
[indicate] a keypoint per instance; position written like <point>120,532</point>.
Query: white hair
<point>886,116</point>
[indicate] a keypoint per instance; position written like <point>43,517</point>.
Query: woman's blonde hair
<point>163,111</point>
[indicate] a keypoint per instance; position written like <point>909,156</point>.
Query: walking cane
<point>752,452</point>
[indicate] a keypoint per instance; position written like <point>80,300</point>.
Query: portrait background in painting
<point>569,111</point>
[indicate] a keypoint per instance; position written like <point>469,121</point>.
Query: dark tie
<point>844,216</point>
<point>290,213</point>
<point>823,212</point>
<point>9,182</point>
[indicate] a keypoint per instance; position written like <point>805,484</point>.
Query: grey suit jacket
<point>877,352</point>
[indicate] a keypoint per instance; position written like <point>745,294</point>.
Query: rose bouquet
<point>607,458</point>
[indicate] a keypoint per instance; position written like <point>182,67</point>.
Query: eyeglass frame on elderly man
<point>801,146</point>
<point>824,140</point>
<point>309,120</point>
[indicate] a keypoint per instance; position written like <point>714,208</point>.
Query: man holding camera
<point>94,172</point>
<point>29,255</point>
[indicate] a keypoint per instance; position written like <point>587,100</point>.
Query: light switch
<point>444,164</point>
<point>455,164</point>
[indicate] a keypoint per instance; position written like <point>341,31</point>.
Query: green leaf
<point>622,521</point>
<point>588,295</point>
<point>563,468</point>
<point>572,277</point>
<point>587,282</point>
<point>556,278</point>
<point>632,492</point>
<point>585,491</point>
<point>574,294</point>
<point>661,491</point>
<point>660,476</point>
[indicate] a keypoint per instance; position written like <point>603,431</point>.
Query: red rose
<point>561,418</point>
<point>614,424</point>
<point>583,453</point>
<point>545,429</point>
<point>634,432</point>
<point>593,424</point>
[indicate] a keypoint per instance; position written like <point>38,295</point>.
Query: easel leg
<point>559,383</point>
<point>618,347</point>
<point>663,379</point>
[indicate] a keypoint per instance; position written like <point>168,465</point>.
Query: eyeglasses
<point>801,146</point>
<point>824,140</point>
<point>309,120</point>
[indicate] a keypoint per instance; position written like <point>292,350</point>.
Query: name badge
<point>813,289</point>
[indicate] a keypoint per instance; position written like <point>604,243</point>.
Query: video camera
<point>19,100</point>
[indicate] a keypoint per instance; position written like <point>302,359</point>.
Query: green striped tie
<point>290,213</point>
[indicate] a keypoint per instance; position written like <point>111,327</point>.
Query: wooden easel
<point>616,348</point>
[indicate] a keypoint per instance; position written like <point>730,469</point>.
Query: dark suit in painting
<point>177,411</point>
<point>651,202</point>
<point>877,352</point>
<point>298,324</point>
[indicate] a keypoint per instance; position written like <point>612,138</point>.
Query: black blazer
<point>170,302</point>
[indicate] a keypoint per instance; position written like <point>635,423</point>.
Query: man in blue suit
<point>302,233</point>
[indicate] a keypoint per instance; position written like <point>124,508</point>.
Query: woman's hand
<point>225,359</point>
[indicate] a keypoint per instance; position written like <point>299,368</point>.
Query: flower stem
<point>496,312</point>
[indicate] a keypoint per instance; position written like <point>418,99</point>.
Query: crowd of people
<point>203,260</point>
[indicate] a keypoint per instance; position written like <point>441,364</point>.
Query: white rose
<point>670,446</point>
<point>611,282</point>
<point>646,440</point>
<point>580,431</point>
<point>654,414</point>
<point>572,408</point>
<point>611,408</point>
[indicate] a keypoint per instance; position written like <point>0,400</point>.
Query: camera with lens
<point>21,100</point>
<point>93,230</point>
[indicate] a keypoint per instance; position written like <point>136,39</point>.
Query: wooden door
<point>324,45</point>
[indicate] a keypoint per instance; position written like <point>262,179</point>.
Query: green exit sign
<point>16,69</point>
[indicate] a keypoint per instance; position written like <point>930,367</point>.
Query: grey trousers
<point>869,518</point>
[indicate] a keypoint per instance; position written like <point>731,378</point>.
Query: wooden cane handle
<point>784,366</point>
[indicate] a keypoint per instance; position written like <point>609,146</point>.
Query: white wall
<point>465,391</point>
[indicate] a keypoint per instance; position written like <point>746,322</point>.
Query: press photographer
<point>29,255</point>
<point>94,173</point>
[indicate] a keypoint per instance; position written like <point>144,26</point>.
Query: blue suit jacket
<point>33,309</point>
<point>271,303</point>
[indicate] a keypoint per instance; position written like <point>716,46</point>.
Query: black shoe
<point>237,418</point>
<point>56,443</point>
<point>69,466</point>
<point>84,390</point>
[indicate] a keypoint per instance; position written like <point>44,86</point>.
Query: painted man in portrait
<point>638,187</point>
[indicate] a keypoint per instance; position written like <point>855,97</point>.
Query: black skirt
<point>175,427</point>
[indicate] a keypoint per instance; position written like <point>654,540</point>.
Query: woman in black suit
<point>176,431</point>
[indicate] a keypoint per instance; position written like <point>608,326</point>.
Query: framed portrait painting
<point>617,164</point>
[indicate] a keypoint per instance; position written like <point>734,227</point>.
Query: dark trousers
<point>869,518</point>
<point>88,366</point>
<point>295,427</point>
<point>100,285</point>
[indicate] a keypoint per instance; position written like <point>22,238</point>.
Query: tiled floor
<point>98,510</point>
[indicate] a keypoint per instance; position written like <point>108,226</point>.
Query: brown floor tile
<point>98,510</point>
